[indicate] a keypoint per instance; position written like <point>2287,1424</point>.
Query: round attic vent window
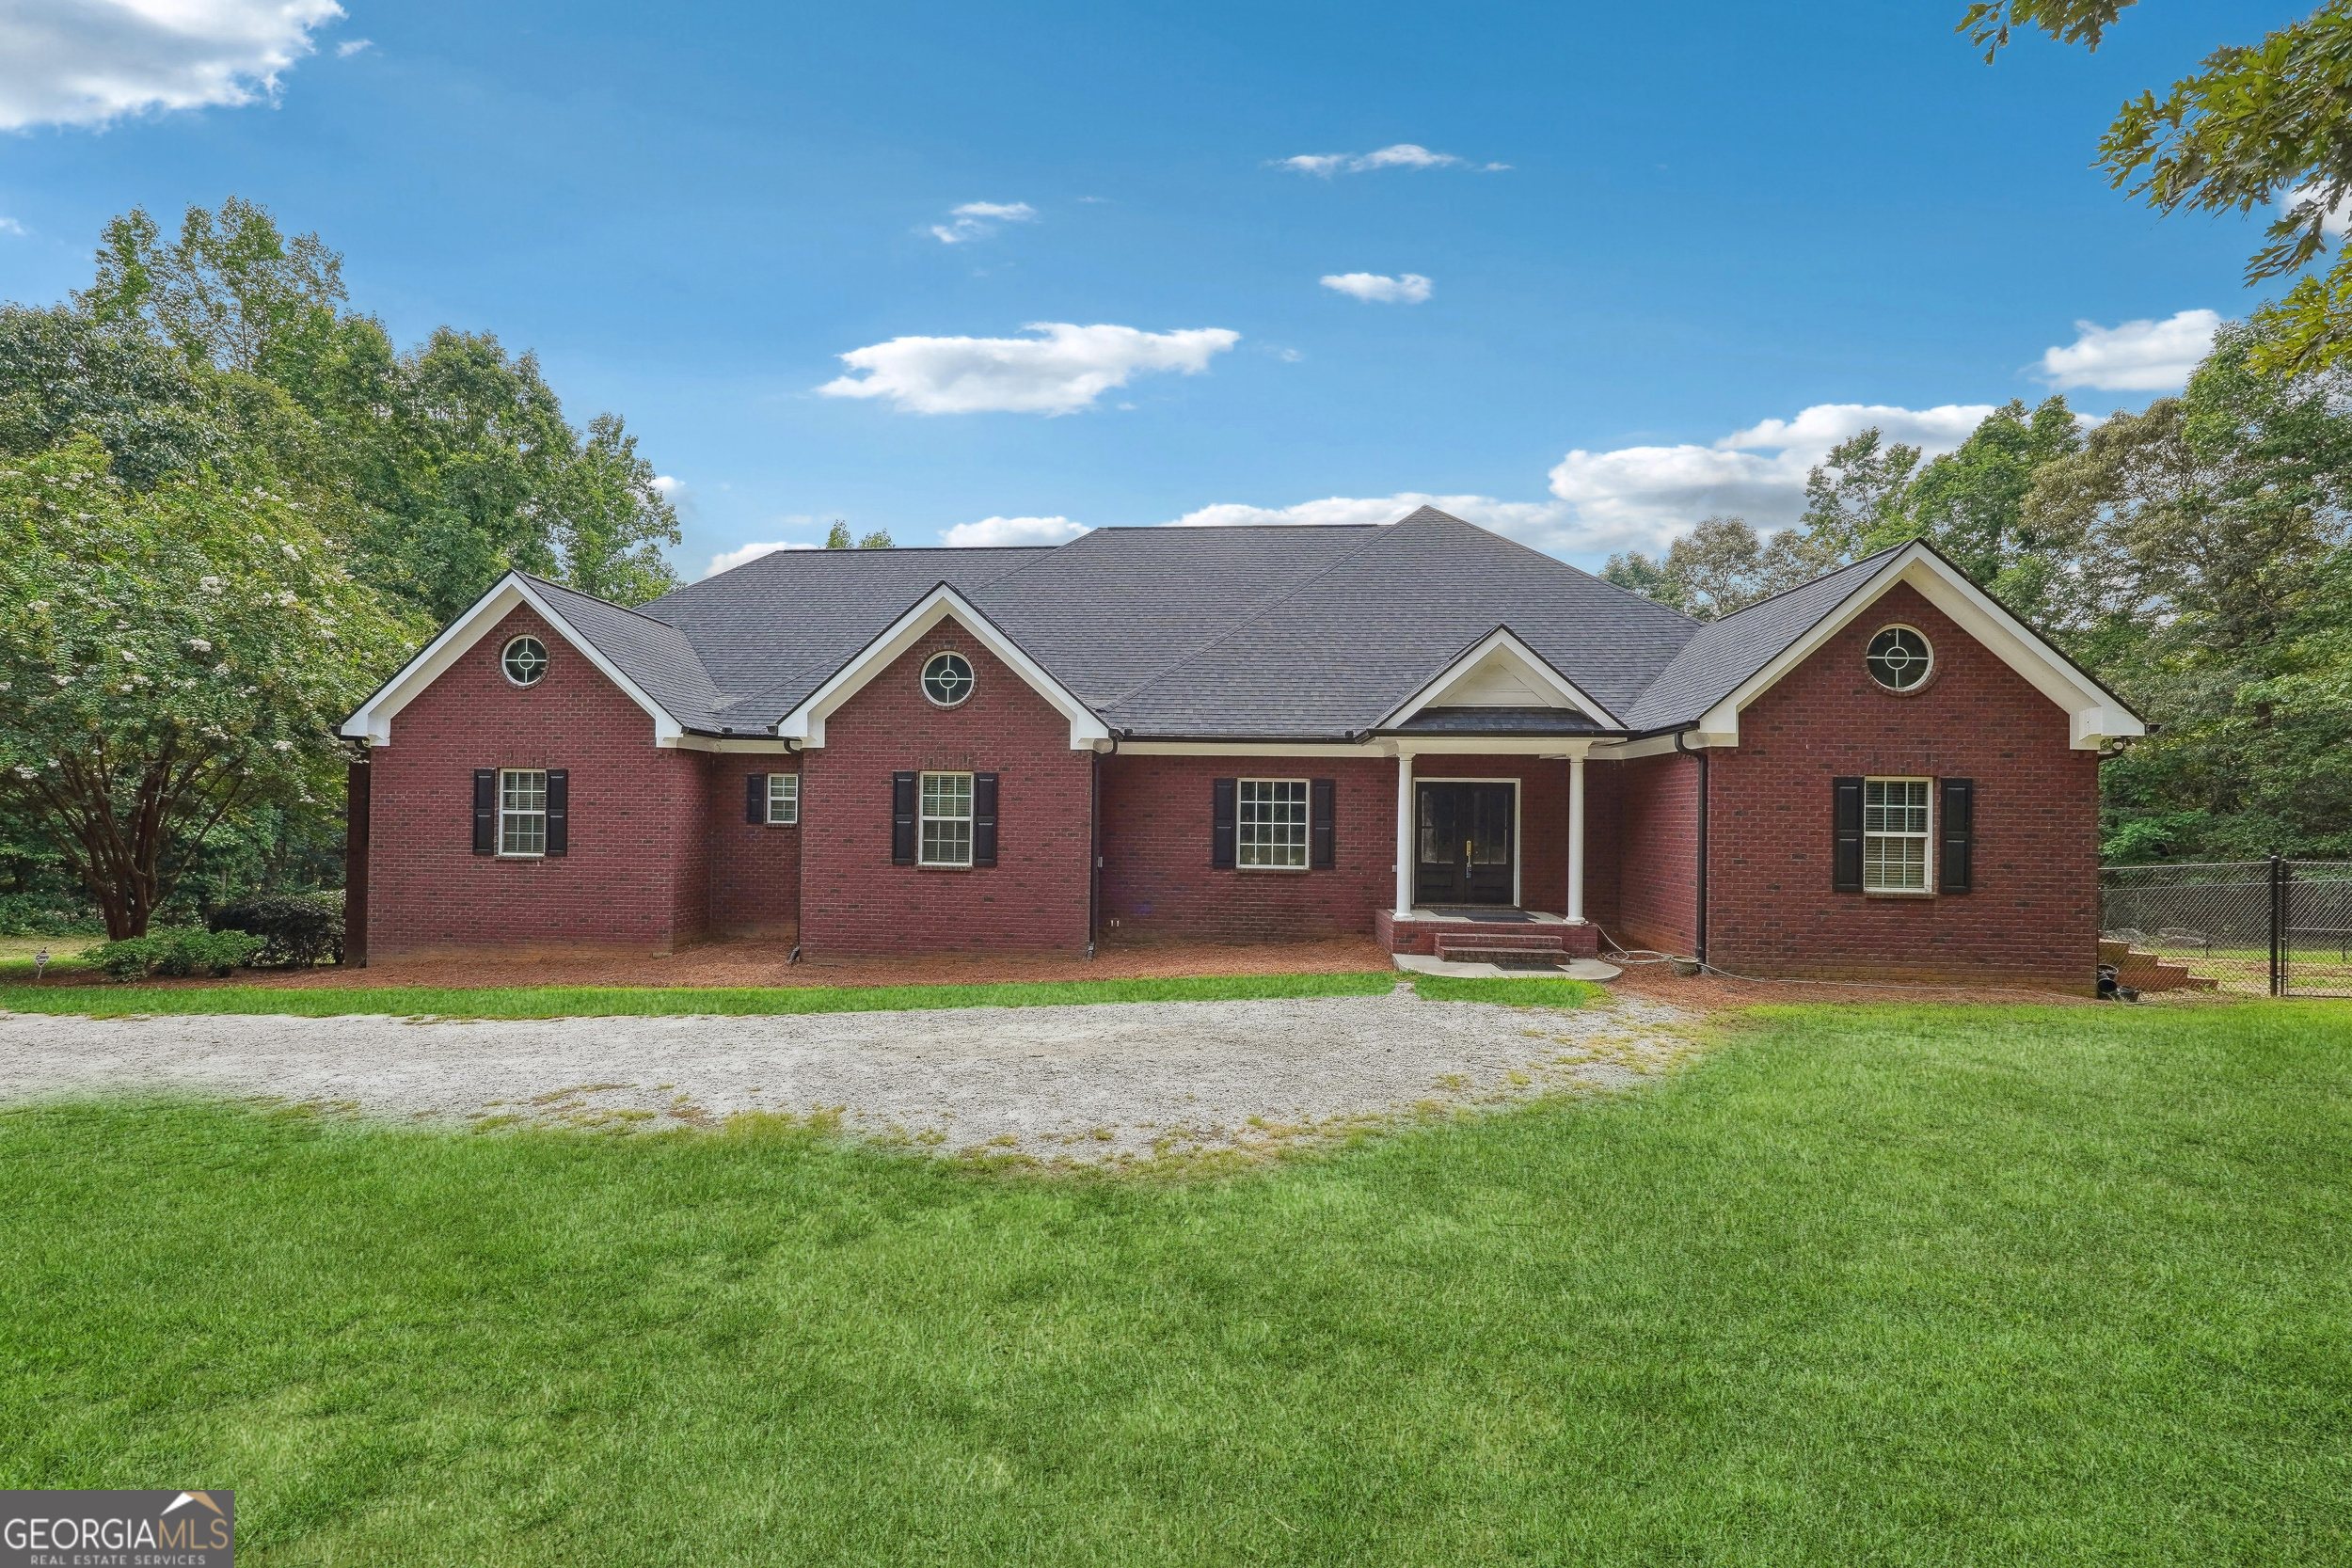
<point>947,679</point>
<point>525,660</point>
<point>1900,658</point>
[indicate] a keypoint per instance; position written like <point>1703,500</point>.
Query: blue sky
<point>1712,221</point>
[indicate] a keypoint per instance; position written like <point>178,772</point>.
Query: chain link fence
<point>2273,927</point>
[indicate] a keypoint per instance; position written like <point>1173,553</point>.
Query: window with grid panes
<point>1270,825</point>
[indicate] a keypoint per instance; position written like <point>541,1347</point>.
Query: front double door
<point>1464,844</point>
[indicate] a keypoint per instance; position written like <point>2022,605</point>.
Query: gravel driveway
<point>1090,1085</point>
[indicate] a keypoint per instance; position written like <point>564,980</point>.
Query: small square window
<point>1895,835</point>
<point>1271,832</point>
<point>522,811</point>
<point>946,820</point>
<point>783,799</point>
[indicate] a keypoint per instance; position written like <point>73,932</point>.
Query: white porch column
<point>1575,838</point>
<point>1405,836</point>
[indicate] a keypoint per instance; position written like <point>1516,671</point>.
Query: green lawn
<point>1902,1286</point>
<point>610,1001</point>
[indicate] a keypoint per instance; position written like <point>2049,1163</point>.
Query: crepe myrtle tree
<point>168,658</point>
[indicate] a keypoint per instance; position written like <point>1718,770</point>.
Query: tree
<point>838,537</point>
<point>1970,502</point>
<point>168,657</point>
<point>611,519</point>
<point>1716,568</point>
<point>1853,499</point>
<point>2256,124</point>
<point>878,540</point>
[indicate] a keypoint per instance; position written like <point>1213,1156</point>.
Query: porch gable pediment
<point>1499,671</point>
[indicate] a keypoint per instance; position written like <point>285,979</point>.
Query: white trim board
<point>2094,716</point>
<point>372,721</point>
<point>805,724</point>
<point>1497,659</point>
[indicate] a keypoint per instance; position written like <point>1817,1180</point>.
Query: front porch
<point>1455,934</point>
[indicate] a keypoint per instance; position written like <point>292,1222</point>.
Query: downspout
<point>800,856</point>
<point>1094,851</point>
<point>1701,755</point>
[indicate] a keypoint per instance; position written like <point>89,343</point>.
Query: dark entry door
<point>1466,845</point>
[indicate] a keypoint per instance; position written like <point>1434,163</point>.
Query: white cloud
<point>86,62</point>
<point>9,225</point>
<point>1060,372</point>
<point>977,219</point>
<point>2136,356</point>
<point>1404,154</point>
<point>2334,222</point>
<point>1643,496</point>
<point>349,47</point>
<point>733,558</point>
<point>1013,530</point>
<point>1371,287</point>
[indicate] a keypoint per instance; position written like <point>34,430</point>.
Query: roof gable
<point>632,657</point>
<point>806,723</point>
<point>1737,660</point>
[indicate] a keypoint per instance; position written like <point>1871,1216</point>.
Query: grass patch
<point>1916,1286</point>
<point>633,1001</point>
<point>1531,991</point>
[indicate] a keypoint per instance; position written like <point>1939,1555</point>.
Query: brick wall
<point>636,811</point>
<point>854,901</point>
<point>755,869</point>
<point>1656,901</point>
<point>2033,916</point>
<point>1157,881</point>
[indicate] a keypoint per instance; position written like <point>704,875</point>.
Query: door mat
<point>1498,917</point>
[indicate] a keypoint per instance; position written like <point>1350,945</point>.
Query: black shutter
<point>755,800</point>
<point>984,819</point>
<point>486,811</point>
<point>1846,853</point>
<point>559,810</point>
<point>1221,824</point>
<point>1958,825</point>
<point>902,819</point>
<point>1321,794</point>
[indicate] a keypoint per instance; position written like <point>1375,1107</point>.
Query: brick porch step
<point>2148,972</point>
<point>1503,949</point>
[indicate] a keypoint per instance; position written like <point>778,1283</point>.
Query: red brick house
<point>1422,731</point>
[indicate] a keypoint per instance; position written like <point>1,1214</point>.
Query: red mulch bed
<point>760,961</point>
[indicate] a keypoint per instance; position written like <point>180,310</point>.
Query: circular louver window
<point>525,660</point>
<point>947,679</point>
<point>1900,658</point>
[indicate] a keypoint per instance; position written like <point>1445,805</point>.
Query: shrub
<point>296,927</point>
<point>174,953</point>
<point>46,914</point>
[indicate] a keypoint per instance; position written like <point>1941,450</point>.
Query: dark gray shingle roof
<point>1723,654</point>
<point>1263,633</point>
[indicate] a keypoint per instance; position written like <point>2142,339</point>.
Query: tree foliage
<point>213,386</point>
<point>2256,125</point>
<point>168,657</point>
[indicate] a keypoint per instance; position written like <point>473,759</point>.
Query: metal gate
<point>2277,927</point>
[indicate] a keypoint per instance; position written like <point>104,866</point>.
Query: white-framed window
<point>524,661</point>
<point>944,820</point>
<point>1895,835</point>
<point>946,679</point>
<point>783,799</point>
<point>522,811</point>
<point>1899,658</point>
<point>1270,824</point>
